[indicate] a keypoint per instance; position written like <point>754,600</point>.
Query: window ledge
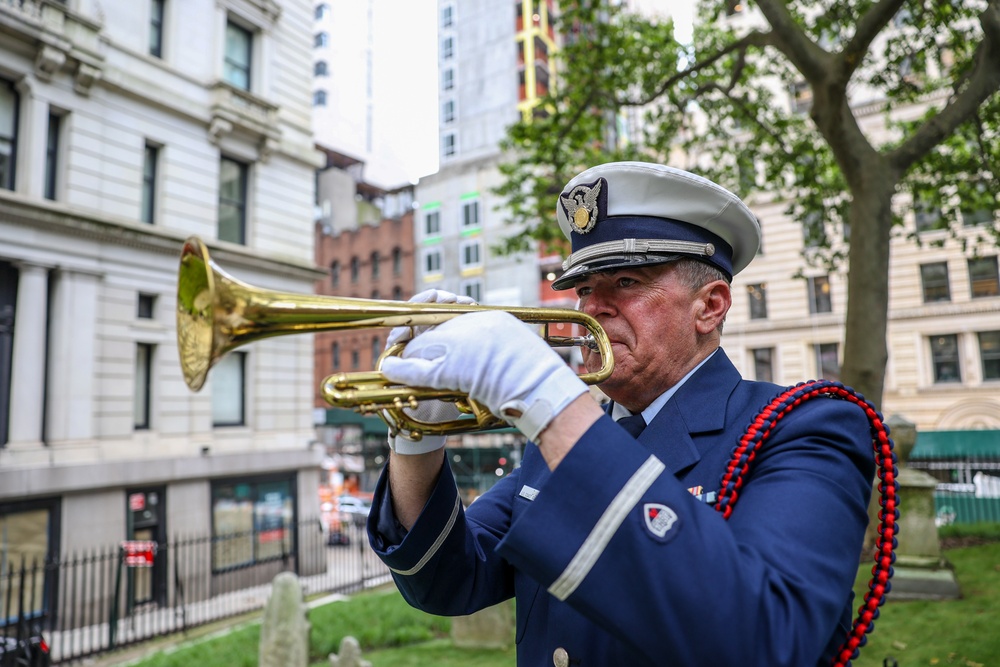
<point>234,109</point>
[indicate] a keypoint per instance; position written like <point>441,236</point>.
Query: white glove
<point>497,360</point>
<point>426,411</point>
<point>400,334</point>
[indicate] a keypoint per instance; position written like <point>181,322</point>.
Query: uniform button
<point>560,658</point>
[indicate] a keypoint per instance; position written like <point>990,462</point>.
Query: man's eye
<point>582,291</point>
<point>626,282</point>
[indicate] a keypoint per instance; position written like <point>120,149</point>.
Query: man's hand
<point>498,361</point>
<point>401,334</point>
<point>426,411</point>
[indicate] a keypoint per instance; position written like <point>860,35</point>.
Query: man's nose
<point>597,303</point>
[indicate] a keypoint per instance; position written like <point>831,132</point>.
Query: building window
<point>397,293</point>
<point>355,360</point>
<point>448,47</point>
<point>763,364</point>
<point>319,98</point>
<point>813,230</point>
<point>236,67</point>
<point>448,145</point>
<point>143,386</point>
<point>156,28</point>
<point>473,289</point>
<point>9,102</point>
<point>376,294</point>
<point>448,79</point>
<point>150,159</point>
<point>397,261</point>
<point>447,16</point>
<point>229,390</point>
<point>321,39</point>
<point>802,97</point>
<point>28,534</point>
<point>146,306</point>
<point>321,68</point>
<point>984,213</point>
<point>757,295</point>
<point>470,214</point>
<point>448,112</point>
<point>432,261</point>
<point>355,268</point>
<point>375,264</point>
<point>334,273</point>
<point>827,361</point>
<point>252,521</point>
<point>432,223</point>
<point>376,349</point>
<point>471,254</point>
<point>335,356</point>
<point>989,353</point>
<point>934,280</point>
<point>819,295</point>
<point>927,217</point>
<point>983,277</point>
<point>52,155</point>
<point>232,201</point>
<point>322,9</point>
<point>944,358</point>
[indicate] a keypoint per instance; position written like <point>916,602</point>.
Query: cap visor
<point>573,275</point>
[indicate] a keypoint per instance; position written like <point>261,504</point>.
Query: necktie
<point>633,424</point>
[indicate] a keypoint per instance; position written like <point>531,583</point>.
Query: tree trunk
<point>865,352</point>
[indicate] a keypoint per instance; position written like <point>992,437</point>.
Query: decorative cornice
<point>57,218</point>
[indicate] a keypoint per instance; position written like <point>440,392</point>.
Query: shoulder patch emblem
<point>659,518</point>
<point>585,205</point>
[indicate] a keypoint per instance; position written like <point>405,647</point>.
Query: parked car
<point>27,649</point>
<point>354,509</point>
<point>333,525</point>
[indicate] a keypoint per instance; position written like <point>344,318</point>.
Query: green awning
<point>370,424</point>
<point>956,444</point>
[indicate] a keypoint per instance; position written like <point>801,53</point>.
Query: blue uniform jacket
<point>617,557</point>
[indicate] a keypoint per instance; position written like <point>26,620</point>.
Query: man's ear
<point>714,301</point>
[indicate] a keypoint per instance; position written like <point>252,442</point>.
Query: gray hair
<point>696,274</point>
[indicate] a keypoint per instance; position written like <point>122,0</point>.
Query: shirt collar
<point>618,411</point>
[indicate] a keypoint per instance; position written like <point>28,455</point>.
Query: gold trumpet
<point>217,313</point>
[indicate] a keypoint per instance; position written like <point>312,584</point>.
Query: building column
<point>34,127</point>
<point>72,357</point>
<point>27,396</point>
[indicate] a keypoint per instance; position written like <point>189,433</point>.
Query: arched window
<point>335,273</point>
<point>319,98</point>
<point>320,68</point>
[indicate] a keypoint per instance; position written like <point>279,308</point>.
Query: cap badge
<point>585,204</point>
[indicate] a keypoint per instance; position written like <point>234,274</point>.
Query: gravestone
<point>348,654</point>
<point>284,629</point>
<point>921,572</point>
<point>492,627</point>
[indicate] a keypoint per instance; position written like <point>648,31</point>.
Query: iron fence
<point>968,489</point>
<point>98,600</point>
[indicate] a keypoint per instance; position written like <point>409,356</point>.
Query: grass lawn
<point>964,632</point>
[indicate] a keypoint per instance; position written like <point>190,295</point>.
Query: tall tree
<point>734,101</point>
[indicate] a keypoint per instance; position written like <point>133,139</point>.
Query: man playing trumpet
<point>606,534</point>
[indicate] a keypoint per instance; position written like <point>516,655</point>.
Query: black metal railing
<point>98,600</point>
<point>968,489</point>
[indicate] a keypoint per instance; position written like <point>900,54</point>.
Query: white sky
<point>407,98</point>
